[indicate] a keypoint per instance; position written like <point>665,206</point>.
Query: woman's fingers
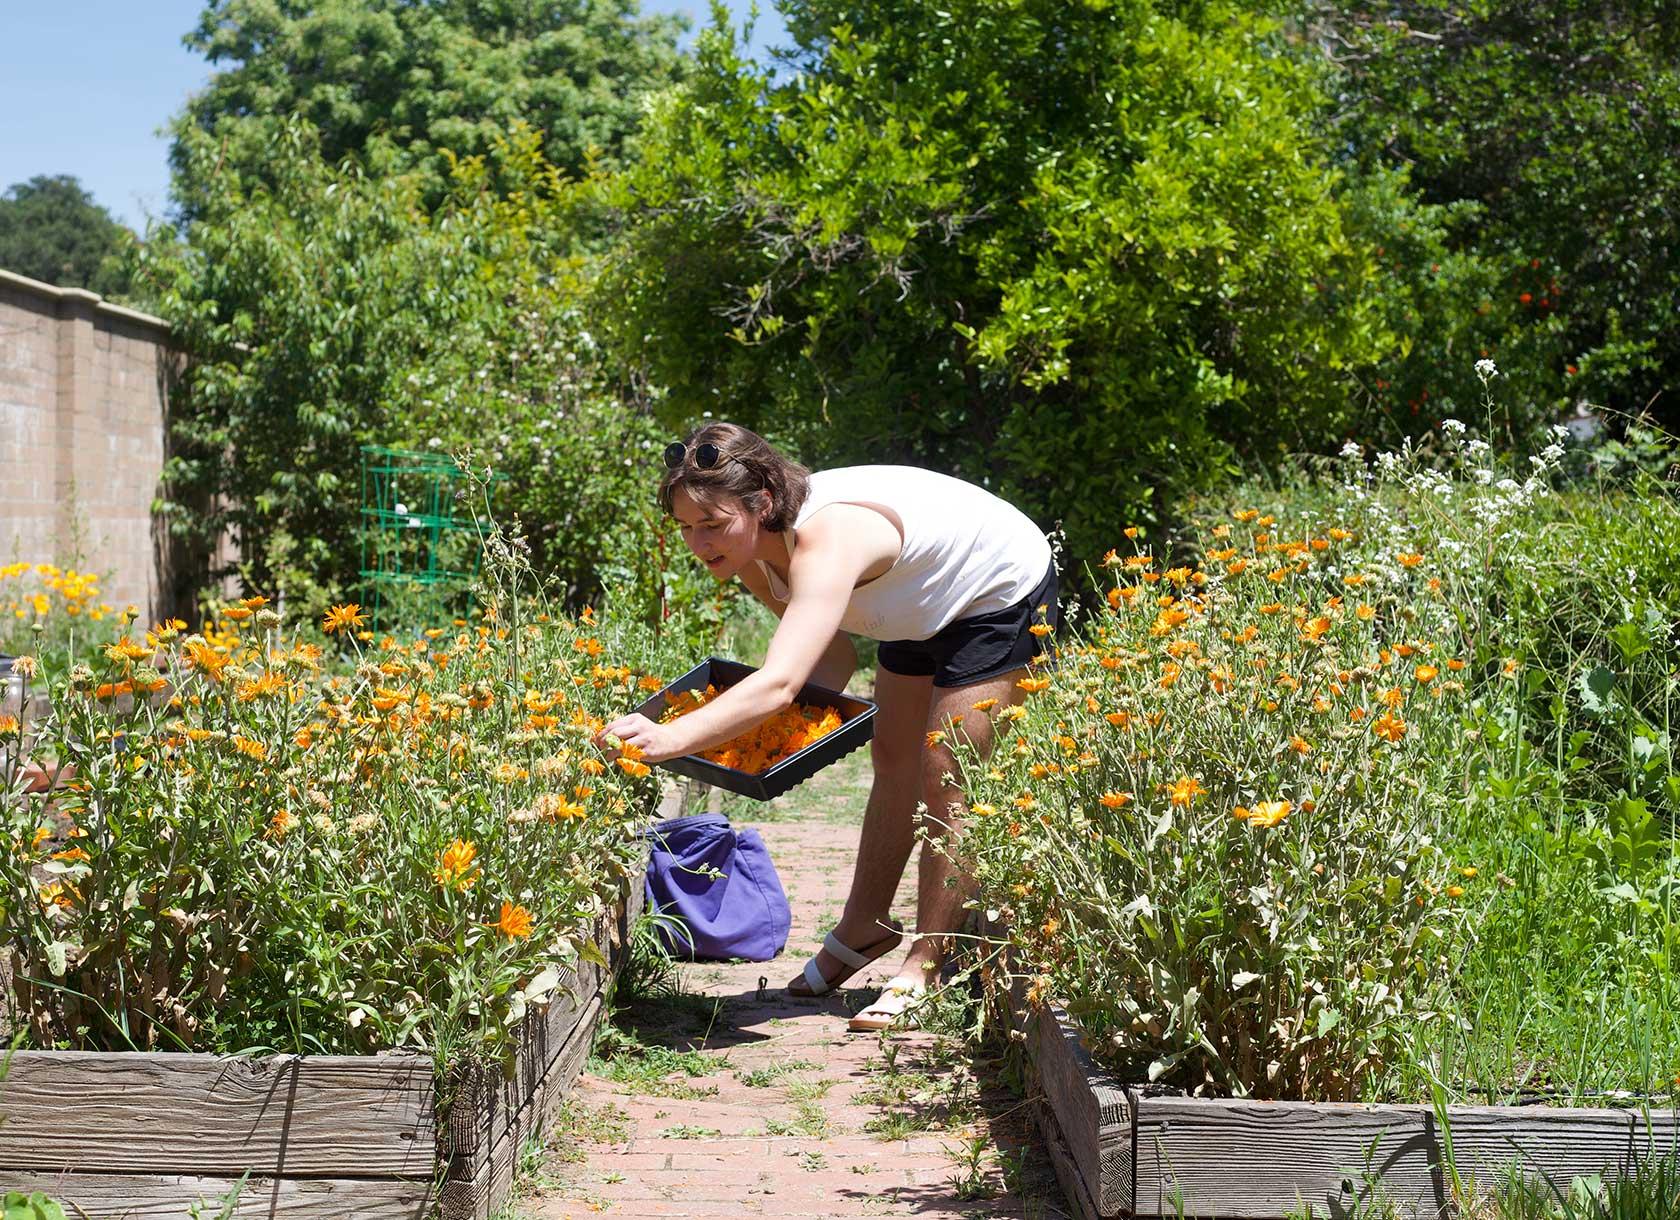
<point>634,729</point>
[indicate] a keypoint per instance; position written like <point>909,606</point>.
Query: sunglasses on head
<point>706,455</point>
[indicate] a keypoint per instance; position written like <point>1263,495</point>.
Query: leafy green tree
<point>51,230</point>
<point>1085,252</point>
<point>333,310</point>
<point>1558,123</point>
<point>427,75</point>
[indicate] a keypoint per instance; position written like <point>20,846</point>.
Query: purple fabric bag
<point>744,913</point>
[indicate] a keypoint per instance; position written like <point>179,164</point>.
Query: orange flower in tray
<point>741,764</point>
<point>758,749</point>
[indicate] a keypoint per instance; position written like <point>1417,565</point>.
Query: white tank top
<point>966,551</point>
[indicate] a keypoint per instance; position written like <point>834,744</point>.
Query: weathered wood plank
<point>1093,1112</point>
<point>476,1197</point>
<point>190,1114</point>
<point>172,1197</point>
<point>1236,1160</point>
<point>482,1099</point>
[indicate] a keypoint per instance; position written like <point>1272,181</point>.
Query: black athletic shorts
<point>980,647</point>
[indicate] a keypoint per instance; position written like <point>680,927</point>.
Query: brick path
<point>776,1126</point>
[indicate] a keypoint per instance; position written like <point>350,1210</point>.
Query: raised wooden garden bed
<point>149,1135</point>
<point>1121,1150</point>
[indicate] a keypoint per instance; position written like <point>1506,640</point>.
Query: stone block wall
<point>84,396</point>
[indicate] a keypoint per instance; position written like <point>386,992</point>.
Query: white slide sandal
<point>853,959</point>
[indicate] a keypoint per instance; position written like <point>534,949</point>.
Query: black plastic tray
<point>857,715</point>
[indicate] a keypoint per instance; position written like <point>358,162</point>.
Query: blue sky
<point>86,84</point>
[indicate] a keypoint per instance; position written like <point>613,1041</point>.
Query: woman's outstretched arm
<point>826,566</point>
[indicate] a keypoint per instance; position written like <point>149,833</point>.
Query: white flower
<point>1486,369</point>
<point>1351,450</point>
<point>1476,447</point>
<point>1452,427</point>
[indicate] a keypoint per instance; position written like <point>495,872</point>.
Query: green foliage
<point>1557,574</point>
<point>15,1205</point>
<point>51,230</point>
<point>1013,240</point>
<point>1560,122</point>
<point>400,846</point>
<point>333,310</point>
<point>403,83</point>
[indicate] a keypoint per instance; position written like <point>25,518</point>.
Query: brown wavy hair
<point>749,469</point>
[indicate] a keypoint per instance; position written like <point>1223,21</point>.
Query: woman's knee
<point>900,759</point>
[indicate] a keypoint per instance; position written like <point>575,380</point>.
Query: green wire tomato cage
<point>420,548</point>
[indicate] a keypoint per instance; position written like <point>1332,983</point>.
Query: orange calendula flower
<point>1269,813</point>
<point>1389,726</point>
<point>455,865</point>
<point>985,705</point>
<point>1315,629</point>
<point>250,748</point>
<point>1455,891</point>
<point>762,747</point>
<point>514,923</point>
<point>1184,790</point>
<point>1425,673</point>
<point>343,618</point>
<point>237,614</point>
<point>1271,608</point>
<point>1409,559</point>
<point>1034,685</point>
<point>633,768</point>
<point>1116,800</point>
<point>1300,745</point>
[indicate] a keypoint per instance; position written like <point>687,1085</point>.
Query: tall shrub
<point>1022,241</point>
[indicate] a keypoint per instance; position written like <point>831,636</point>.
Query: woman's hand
<point>657,742</point>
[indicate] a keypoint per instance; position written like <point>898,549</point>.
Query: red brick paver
<point>798,1145</point>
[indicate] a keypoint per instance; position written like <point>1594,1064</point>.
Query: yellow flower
<point>1034,685</point>
<point>1455,891</point>
<point>455,865</point>
<point>1269,813</point>
<point>343,618</point>
<point>515,921</point>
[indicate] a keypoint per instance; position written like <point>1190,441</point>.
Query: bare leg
<point>941,890</point>
<point>889,819</point>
